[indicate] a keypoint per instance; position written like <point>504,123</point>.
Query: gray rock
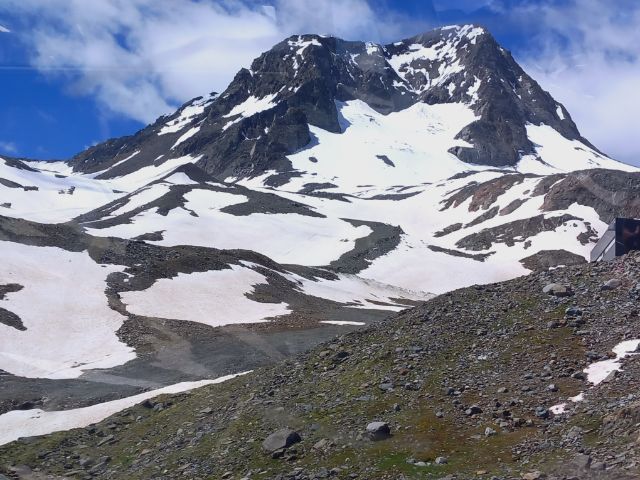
<point>441,460</point>
<point>107,439</point>
<point>473,410</point>
<point>378,430</point>
<point>573,312</point>
<point>557,290</point>
<point>611,284</point>
<point>582,461</point>
<point>542,412</point>
<point>535,475</point>
<point>280,439</point>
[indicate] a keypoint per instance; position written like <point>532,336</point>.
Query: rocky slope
<point>464,386</point>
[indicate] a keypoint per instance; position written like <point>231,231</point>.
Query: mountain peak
<point>267,111</point>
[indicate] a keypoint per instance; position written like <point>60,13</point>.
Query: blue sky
<point>76,72</point>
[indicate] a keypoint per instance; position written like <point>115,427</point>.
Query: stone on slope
<point>280,439</point>
<point>378,430</point>
<point>557,290</point>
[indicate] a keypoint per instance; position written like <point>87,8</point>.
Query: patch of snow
<point>142,197</point>
<point>472,91</point>
<point>444,53</point>
<point>180,178</point>
<point>215,298</point>
<point>51,202</point>
<point>577,398</point>
<point>302,239</point>
<point>359,292</point>
<point>187,114</point>
<point>120,162</point>
<point>190,133</point>
<point>201,200</point>
<point>559,112</point>
<point>372,48</point>
<point>28,423</point>
<point>145,175</point>
<point>598,371</point>
<point>559,154</point>
<point>471,32</point>
<point>558,409</point>
<point>252,105</point>
<point>416,140</point>
<point>301,45</point>
<point>69,325</point>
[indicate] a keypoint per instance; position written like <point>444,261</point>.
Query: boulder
<point>611,284</point>
<point>280,439</point>
<point>473,410</point>
<point>378,430</point>
<point>557,290</point>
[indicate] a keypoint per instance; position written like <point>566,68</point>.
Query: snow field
<point>215,298</point>
<point>69,325</point>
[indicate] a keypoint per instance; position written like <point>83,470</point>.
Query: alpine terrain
<point>330,185</point>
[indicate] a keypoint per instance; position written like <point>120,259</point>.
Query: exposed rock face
<point>546,259</point>
<point>609,192</point>
<point>510,233</point>
<point>298,82</point>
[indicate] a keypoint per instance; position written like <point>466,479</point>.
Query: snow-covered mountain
<point>330,182</point>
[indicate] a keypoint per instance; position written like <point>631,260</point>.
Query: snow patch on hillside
<point>186,116</point>
<point>186,136</point>
<point>597,372</point>
<point>556,153</point>
<point>301,239</point>
<point>359,292</point>
<point>53,195</point>
<point>215,298</point>
<point>142,197</point>
<point>250,107</point>
<point>416,140</point>
<point>29,423</point>
<point>69,325</point>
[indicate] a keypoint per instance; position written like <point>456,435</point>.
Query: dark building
<point>622,236</point>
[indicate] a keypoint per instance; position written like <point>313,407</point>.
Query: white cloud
<point>142,58</point>
<point>4,29</point>
<point>8,147</point>
<point>588,56</point>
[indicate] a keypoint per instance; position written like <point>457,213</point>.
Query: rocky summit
<point>513,380</point>
<point>357,261</point>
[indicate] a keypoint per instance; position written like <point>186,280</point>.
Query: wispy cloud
<point>4,29</point>
<point>587,54</point>
<point>141,58</point>
<point>8,147</point>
